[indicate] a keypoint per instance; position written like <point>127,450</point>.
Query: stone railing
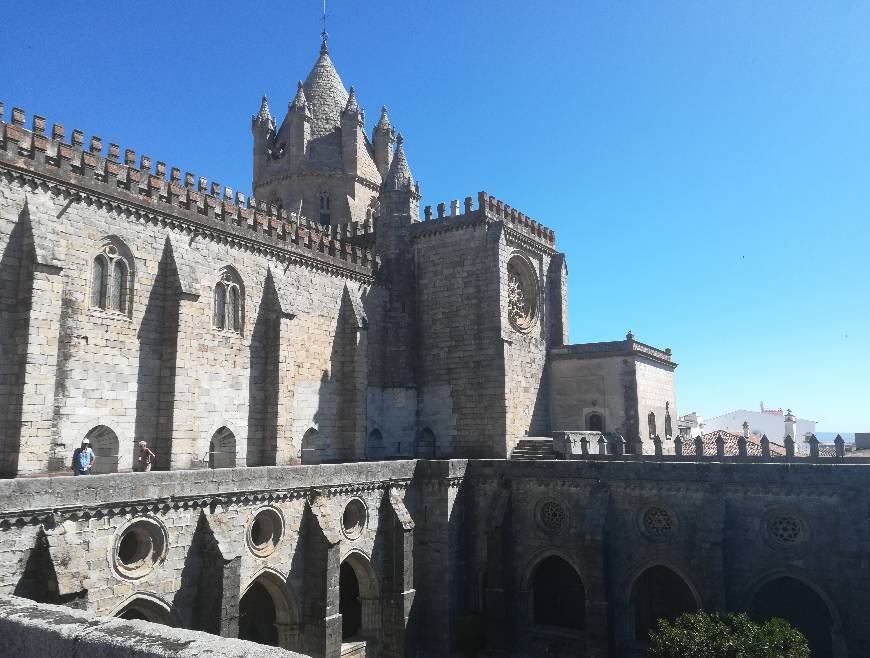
<point>38,630</point>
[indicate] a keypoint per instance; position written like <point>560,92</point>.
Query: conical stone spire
<point>325,94</point>
<point>399,177</point>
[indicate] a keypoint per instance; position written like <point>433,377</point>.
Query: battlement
<point>488,208</point>
<point>103,171</point>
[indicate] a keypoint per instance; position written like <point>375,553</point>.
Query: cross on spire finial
<point>324,35</point>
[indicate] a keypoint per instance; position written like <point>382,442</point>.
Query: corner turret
<point>382,140</point>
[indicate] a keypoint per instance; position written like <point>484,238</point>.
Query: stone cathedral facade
<point>334,383</point>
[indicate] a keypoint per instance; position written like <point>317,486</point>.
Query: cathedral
<point>371,434</point>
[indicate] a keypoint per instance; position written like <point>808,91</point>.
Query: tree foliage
<point>719,635</point>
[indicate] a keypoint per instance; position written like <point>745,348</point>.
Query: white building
<point>773,422</point>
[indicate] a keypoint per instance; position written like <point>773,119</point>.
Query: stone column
<point>321,620</point>
<point>398,581</point>
<point>288,635</point>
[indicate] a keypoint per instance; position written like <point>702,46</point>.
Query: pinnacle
<point>264,114</point>
<point>384,121</point>
<point>352,105</point>
<point>399,177</point>
<point>299,101</point>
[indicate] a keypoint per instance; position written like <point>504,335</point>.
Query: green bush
<point>718,635</point>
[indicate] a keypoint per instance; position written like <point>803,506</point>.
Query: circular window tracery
<point>354,519</point>
<point>522,294</point>
<point>265,531</point>
<point>786,529</point>
<point>552,516</point>
<point>658,523</point>
<point>139,547</point>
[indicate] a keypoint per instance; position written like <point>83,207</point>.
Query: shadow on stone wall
<point>38,581</point>
<point>158,345</point>
<point>16,284</point>
<point>263,382</point>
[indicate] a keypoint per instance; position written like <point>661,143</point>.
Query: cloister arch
<point>266,614</point>
<point>805,606</point>
<point>222,449</point>
<point>659,592</point>
<point>104,443</point>
<point>146,607</point>
<point>557,594</point>
<point>358,602</point>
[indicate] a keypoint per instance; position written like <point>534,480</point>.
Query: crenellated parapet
<point>188,199</point>
<point>489,209</point>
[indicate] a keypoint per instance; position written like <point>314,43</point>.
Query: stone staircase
<point>533,448</point>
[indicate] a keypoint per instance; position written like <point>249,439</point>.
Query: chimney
<point>745,429</point>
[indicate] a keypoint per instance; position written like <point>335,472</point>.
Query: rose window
<point>658,522</point>
<point>786,529</point>
<point>522,294</point>
<point>552,516</point>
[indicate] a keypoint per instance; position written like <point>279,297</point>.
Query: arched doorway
<point>800,605</point>
<point>375,449</point>
<point>257,616</point>
<point>595,423</point>
<point>222,449</point>
<point>104,443</point>
<point>358,600</point>
<point>426,444</point>
<point>145,609</point>
<point>558,595</point>
<point>349,604</point>
<point>311,447</point>
<point>265,613</point>
<point>658,593</point>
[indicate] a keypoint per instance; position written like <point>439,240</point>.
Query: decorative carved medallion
<point>658,523</point>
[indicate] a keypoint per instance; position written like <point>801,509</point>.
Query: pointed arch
<point>375,448</point>
<point>659,591</point>
<point>558,595</point>
<point>112,276</point>
<point>144,606</point>
<point>798,600</point>
<point>359,598</point>
<point>229,301</point>
<point>267,613</point>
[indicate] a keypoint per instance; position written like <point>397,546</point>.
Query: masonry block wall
<point>460,352</point>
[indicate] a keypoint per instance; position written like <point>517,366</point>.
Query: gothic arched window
<point>228,302</point>
<point>651,420</point>
<point>110,280</point>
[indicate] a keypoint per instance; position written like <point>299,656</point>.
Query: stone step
<point>534,448</point>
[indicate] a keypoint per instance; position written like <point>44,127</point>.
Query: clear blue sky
<point>705,165</point>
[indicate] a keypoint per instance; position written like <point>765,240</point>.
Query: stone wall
<point>447,552</point>
<point>33,630</point>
